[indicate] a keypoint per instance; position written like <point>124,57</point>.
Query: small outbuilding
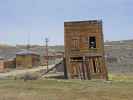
<point>51,57</point>
<point>1,64</point>
<point>59,55</point>
<point>7,64</point>
<point>27,59</point>
<point>10,63</point>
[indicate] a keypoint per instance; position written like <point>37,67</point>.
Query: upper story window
<point>75,43</point>
<point>92,42</point>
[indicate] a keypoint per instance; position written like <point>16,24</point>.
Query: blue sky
<point>45,18</point>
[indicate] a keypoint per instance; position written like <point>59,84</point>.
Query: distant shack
<point>52,57</point>
<point>7,64</point>
<point>1,64</point>
<point>10,63</point>
<point>27,59</point>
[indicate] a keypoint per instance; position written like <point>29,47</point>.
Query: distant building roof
<point>80,22</point>
<point>49,54</point>
<point>27,52</point>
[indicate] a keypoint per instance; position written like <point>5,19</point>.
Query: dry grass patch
<point>65,90</point>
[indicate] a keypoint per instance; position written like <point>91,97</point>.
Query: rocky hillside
<point>119,54</point>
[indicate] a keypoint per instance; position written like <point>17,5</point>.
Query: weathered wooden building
<point>10,63</point>
<point>84,50</point>
<point>6,64</point>
<point>51,57</point>
<point>27,59</point>
<point>1,64</point>
<point>59,55</point>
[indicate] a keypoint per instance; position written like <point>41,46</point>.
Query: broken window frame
<point>92,46</point>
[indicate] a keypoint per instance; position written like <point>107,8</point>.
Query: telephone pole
<point>46,51</point>
<point>28,42</point>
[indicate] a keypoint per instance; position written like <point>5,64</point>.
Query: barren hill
<point>119,54</point>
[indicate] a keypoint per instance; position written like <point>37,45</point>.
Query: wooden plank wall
<point>86,69</point>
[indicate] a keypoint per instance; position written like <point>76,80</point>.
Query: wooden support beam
<point>88,70</point>
<point>83,70</point>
